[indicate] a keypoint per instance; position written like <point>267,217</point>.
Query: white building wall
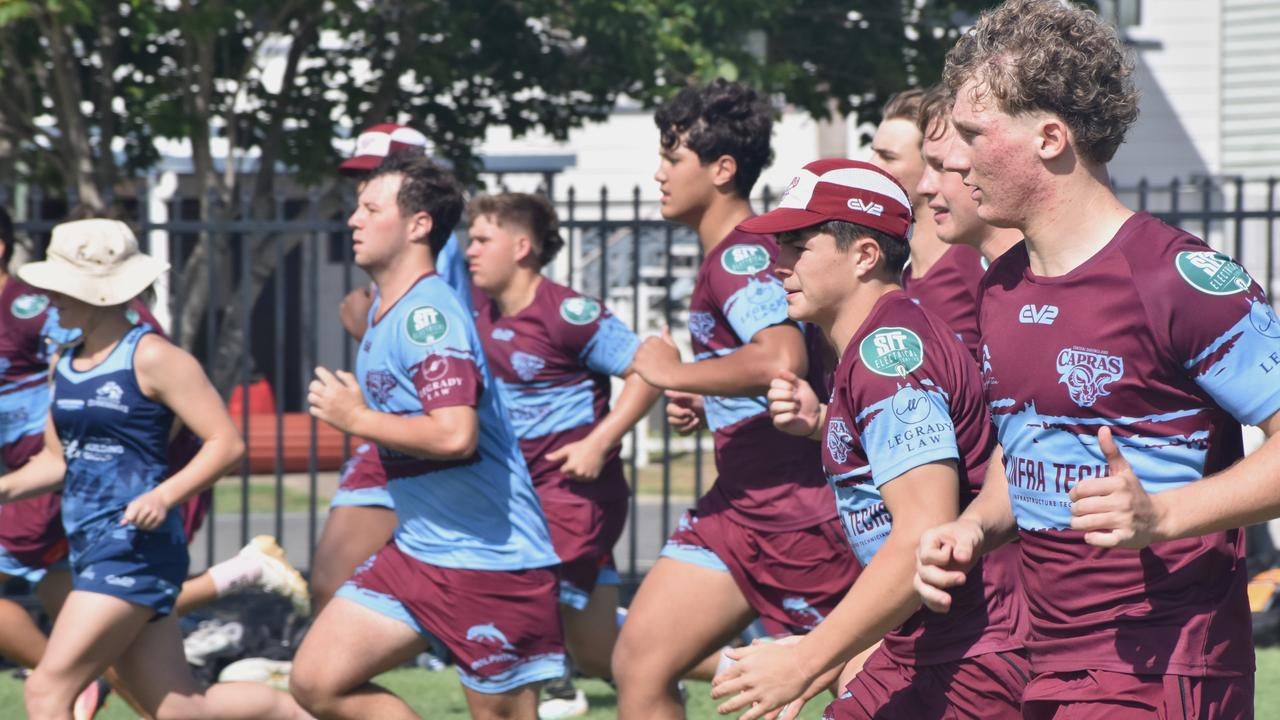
<point>1178,48</point>
<point>1251,87</point>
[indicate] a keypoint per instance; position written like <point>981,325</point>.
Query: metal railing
<point>274,283</point>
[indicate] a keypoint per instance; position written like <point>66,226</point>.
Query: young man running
<point>552,352</point>
<point>362,514</point>
<point>1120,356</point>
<point>941,276</point>
<point>906,436</point>
<point>471,562</point>
<point>955,212</point>
<point>764,540</point>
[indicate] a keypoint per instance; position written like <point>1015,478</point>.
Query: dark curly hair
<point>6,237</point>
<point>717,119</point>
<point>427,188</point>
<point>1055,57</point>
<point>531,212</point>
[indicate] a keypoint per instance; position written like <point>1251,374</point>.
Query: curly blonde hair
<point>1051,56</point>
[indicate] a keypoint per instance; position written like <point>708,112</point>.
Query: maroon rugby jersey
<point>767,479</point>
<point>907,394</point>
<point>1171,345</point>
<point>950,290</point>
<point>552,362</point>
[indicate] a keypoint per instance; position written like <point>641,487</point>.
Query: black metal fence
<point>256,300</point>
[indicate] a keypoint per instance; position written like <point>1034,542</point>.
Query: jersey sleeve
<point>1218,325</point>
<point>587,331</point>
<point>438,353</point>
<point>743,287</point>
<point>904,418</point>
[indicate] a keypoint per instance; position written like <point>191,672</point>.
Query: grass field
<point>437,695</point>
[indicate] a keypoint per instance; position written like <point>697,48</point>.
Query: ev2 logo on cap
<point>426,325</point>
<point>870,208</point>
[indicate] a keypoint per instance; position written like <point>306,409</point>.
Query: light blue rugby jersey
<point>480,513</point>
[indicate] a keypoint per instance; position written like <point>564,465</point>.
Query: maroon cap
<point>377,142</point>
<point>838,189</point>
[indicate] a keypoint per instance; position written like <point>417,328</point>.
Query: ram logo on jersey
<point>379,383</point>
<point>1087,373</point>
<point>108,396</point>
<point>701,323</point>
<point>838,439</point>
<point>1038,314</point>
<point>527,366</point>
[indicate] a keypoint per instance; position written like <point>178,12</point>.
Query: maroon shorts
<point>31,533</point>
<point>1105,695</point>
<point>791,578</point>
<point>983,687</point>
<point>503,627</point>
<point>583,533</point>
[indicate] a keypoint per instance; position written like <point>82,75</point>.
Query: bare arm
<point>1115,511</point>
<point>770,676</point>
<point>949,551</point>
<point>745,372</point>
<point>42,473</point>
<point>449,433</point>
<point>170,375</point>
<point>584,459</point>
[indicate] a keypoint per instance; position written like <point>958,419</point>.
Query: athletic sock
<point>235,574</point>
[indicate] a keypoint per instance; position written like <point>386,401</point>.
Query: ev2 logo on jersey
<point>1038,314</point>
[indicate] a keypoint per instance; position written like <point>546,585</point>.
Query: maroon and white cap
<point>838,189</point>
<point>377,142</point>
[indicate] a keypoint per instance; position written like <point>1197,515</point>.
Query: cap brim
<point>360,164</point>
<point>782,220</point>
<point>125,282</point>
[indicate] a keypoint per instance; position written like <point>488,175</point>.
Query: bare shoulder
<point>160,363</point>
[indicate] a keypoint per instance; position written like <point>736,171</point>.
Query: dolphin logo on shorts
<point>489,634</point>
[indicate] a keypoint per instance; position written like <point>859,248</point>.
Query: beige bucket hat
<point>94,261</point>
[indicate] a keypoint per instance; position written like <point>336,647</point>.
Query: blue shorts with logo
<point>140,567</point>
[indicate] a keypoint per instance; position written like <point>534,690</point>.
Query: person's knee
<point>310,690</point>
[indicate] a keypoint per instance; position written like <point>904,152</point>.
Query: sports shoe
<point>278,576</point>
<point>553,708</point>
<point>89,702</point>
<point>212,639</point>
<point>260,670</point>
